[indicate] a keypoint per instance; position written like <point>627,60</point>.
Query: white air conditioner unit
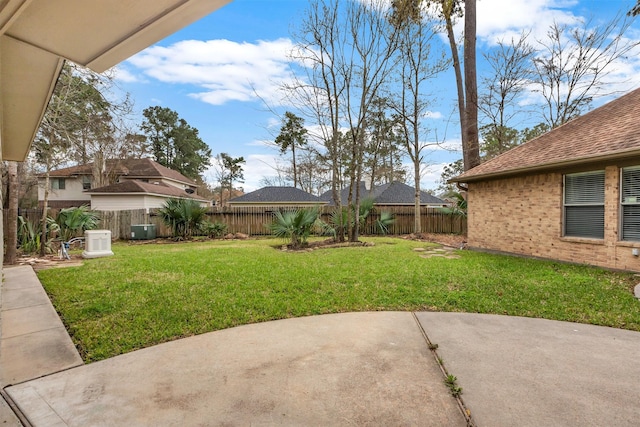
<point>97,243</point>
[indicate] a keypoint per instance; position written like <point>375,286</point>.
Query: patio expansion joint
<point>22,418</point>
<point>26,334</point>
<point>433,349</point>
<point>26,307</point>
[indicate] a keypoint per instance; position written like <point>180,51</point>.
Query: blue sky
<point>209,72</point>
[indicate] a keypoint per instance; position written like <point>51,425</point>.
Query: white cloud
<point>257,166</point>
<point>435,115</point>
<point>122,74</point>
<point>431,176</point>
<point>261,143</point>
<point>221,70</point>
<point>501,20</point>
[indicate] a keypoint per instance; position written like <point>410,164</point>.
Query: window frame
<point>86,182</point>
<point>624,202</point>
<point>56,184</point>
<point>575,206</point>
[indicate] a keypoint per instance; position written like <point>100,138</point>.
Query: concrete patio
<point>373,368</point>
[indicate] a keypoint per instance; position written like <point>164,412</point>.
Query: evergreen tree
<point>174,143</point>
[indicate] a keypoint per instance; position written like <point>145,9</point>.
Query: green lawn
<point>147,294</point>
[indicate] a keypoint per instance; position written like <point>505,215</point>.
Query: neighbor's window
<point>584,205</point>
<point>57,184</point>
<point>630,201</point>
<point>86,183</point>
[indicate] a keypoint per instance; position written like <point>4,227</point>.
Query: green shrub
<point>296,225</point>
<point>183,216</point>
<point>73,222</point>
<point>29,235</point>
<point>213,229</point>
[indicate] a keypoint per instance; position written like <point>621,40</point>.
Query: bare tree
<point>347,48</point>
<point>574,66</point>
<point>508,79</point>
<point>320,40</point>
<point>384,146</point>
<point>54,136</point>
<point>366,65</point>
<point>466,77</point>
<point>417,64</point>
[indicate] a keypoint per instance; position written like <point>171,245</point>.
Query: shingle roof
<point>400,193</point>
<point>132,186</point>
<point>609,132</point>
<point>327,196</point>
<point>277,195</point>
<point>394,193</point>
<point>131,168</point>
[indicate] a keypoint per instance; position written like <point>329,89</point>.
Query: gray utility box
<point>143,232</point>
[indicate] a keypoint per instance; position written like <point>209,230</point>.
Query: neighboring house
<point>221,196</point>
<point>400,194</point>
<point>572,194</point>
<point>276,197</point>
<point>392,194</point>
<point>139,184</point>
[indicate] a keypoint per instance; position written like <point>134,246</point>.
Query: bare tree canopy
<point>574,65</point>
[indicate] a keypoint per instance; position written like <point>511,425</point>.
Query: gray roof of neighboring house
<point>277,195</point>
<point>327,196</point>
<point>608,133</point>
<point>394,193</point>
<point>400,193</point>
<point>132,186</point>
<point>130,168</point>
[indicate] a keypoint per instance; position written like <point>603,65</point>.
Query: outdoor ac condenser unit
<point>97,243</point>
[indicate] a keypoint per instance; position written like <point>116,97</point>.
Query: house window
<point>57,184</point>
<point>584,205</point>
<point>86,183</point>
<point>630,201</point>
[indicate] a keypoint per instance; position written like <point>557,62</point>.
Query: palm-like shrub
<point>339,219</point>
<point>460,208</point>
<point>385,221</point>
<point>294,225</point>
<point>73,222</point>
<point>213,229</point>
<point>29,235</point>
<point>183,216</point>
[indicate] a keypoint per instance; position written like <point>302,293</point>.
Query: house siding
<point>73,191</point>
<point>524,216</point>
<point>108,202</point>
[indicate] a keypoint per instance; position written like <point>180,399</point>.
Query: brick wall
<point>523,215</point>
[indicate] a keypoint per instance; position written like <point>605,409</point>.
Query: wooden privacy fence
<point>255,220</point>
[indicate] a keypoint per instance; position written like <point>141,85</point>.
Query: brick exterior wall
<point>523,215</point>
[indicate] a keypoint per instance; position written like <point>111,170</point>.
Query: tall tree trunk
<point>459,83</point>
<point>293,161</point>
<point>43,220</point>
<point>417,223</point>
<point>12,216</point>
<point>470,145</point>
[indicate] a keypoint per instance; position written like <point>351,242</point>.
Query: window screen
<point>630,200</point>
<point>57,184</point>
<point>584,205</point>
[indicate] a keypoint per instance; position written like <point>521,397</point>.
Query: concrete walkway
<point>342,369</point>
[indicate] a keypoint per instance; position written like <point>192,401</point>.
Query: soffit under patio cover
<point>36,35</point>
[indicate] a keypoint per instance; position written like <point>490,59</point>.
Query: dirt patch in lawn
<point>457,241</point>
<point>49,261</point>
